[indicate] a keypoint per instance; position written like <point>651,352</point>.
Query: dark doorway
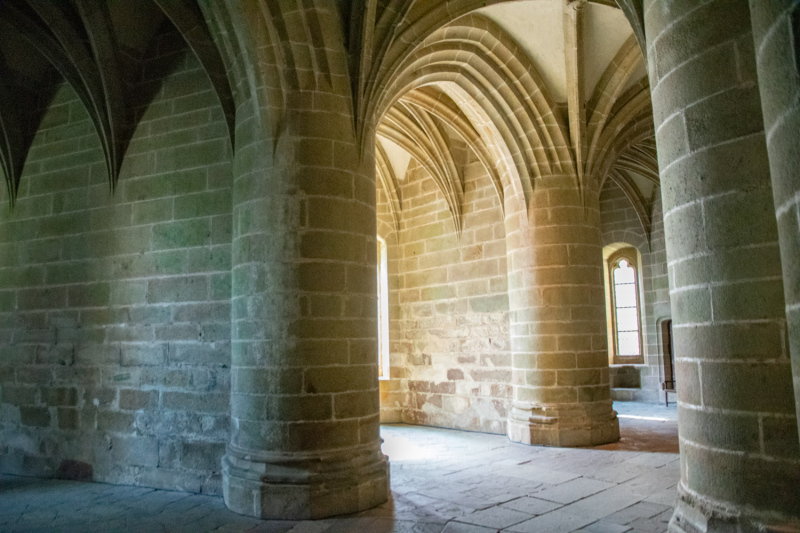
<point>668,358</point>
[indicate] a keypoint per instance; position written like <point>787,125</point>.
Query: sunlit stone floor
<point>442,482</point>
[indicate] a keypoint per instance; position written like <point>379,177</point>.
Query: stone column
<point>776,32</point>
<point>305,440</point>
<point>738,435</point>
<point>558,324</point>
<point>304,393</point>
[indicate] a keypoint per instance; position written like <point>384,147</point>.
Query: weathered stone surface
<point>724,227</point>
<point>476,494</point>
<point>209,323</point>
<point>127,281</point>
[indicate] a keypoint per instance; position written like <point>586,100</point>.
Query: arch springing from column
<point>418,133</point>
<point>78,39</point>
<point>387,179</point>
<point>475,56</point>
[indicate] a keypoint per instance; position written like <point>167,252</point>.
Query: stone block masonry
<point>208,323</point>
<point>450,360</point>
<point>776,35</point>
<point>621,225</point>
<point>115,307</point>
<point>560,351</point>
<point>737,420</point>
<point>450,334</point>
<point>304,413</point>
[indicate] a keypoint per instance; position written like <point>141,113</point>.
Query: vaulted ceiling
<point>97,46</point>
<point>585,69</point>
<point>566,80</point>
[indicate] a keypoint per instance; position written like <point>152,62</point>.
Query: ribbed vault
<point>96,47</point>
<point>469,73</point>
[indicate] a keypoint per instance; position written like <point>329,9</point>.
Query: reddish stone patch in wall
<point>455,374</point>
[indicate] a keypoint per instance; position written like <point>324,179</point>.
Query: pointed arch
<point>97,23</point>
<point>415,132</point>
<point>608,90</point>
<point>60,43</point>
<point>188,19</point>
<point>632,123</point>
<point>387,180</point>
<point>641,159</point>
<point>631,191</point>
<point>436,102</point>
<point>473,57</point>
<point>14,145</point>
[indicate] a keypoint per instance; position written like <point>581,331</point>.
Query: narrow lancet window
<point>626,309</point>
<point>383,311</point>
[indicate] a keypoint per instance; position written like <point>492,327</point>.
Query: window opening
<point>624,307</point>
<point>383,311</point>
<point>627,310</point>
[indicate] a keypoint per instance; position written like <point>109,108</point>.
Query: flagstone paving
<point>443,481</point>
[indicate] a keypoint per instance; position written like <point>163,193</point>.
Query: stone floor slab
<point>603,504</point>
<point>533,506</point>
<point>457,527</point>
<point>496,517</point>
<point>639,510</point>
<point>604,527</point>
<point>573,490</point>
<point>443,481</point>
<point>554,522</point>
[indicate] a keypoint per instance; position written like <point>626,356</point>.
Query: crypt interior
<point>237,236</point>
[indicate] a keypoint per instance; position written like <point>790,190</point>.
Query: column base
<point>697,514</point>
<point>563,425</point>
<point>304,486</point>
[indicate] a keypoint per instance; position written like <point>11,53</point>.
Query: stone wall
<point>620,224</point>
<point>115,308</point>
<point>656,300</point>
<point>450,360</point>
<point>450,363</point>
<point>394,396</point>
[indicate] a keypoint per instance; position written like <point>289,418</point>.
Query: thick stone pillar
<point>558,325</point>
<point>776,32</point>
<point>739,449</point>
<point>305,440</point>
<point>305,437</point>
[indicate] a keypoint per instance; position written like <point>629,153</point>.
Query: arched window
<point>625,309</point>
<point>383,311</point>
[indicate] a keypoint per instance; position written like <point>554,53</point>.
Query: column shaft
<point>737,425</point>
<point>305,441</point>
<point>558,326</point>
<point>776,28</point>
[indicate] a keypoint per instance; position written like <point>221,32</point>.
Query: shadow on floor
<point>443,481</point>
<point>645,428</point>
<point>645,436</point>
